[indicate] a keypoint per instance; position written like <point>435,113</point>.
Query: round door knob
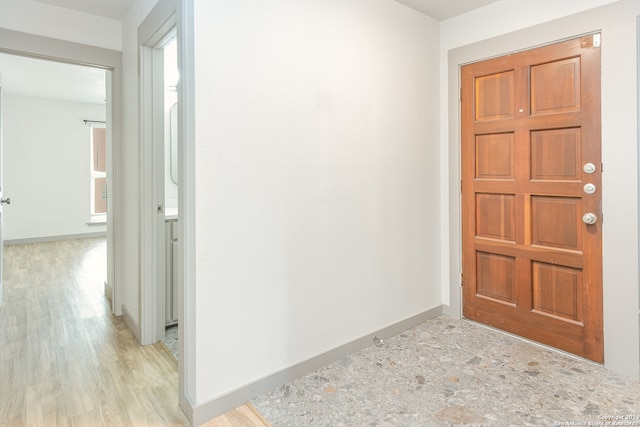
<point>589,188</point>
<point>6,201</point>
<point>589,218</point>
<point>589,168</point>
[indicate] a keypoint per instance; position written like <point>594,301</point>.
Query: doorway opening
<point>159,177</point>
<point>171,192</point>
<point>58,189</point>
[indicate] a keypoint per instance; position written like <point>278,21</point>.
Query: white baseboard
<point>204,412</point>
<point>54,238</point>
<point>108,291</point>
<point>132,324</point>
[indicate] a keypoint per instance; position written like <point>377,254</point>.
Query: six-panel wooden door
<point>531,169</point>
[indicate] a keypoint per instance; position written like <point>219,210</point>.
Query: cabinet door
<point>168,268</point>
<point>174,279</point>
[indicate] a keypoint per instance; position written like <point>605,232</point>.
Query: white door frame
<point>165,17</point>
<point>39,47</point>
<point>153,33</point>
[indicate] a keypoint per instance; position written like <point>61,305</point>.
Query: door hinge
<point>461,280</point>
<point>596,40</point>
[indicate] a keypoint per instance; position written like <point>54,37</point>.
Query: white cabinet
<point>171,272</point>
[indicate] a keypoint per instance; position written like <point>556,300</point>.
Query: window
<point>98,171</point>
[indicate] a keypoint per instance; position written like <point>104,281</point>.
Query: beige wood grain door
<point>531,169</point>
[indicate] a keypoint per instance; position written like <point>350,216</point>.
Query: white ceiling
<point>445,9</point>
<point>52,80</point>
<point>46,79</point>
<point>114,9</point>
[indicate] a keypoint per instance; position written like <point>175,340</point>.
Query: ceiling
<point>114,9</point>
<point>52,80</point>
<point>445,9</point>
<point>46,79</point>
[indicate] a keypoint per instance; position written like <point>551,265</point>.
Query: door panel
<point>495,156</point>
<point>555,87</point>
<point>557,291</point>
<point>495,216</point>
<point>531,265</point>
<point>555,155</point>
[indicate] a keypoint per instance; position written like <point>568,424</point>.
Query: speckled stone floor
<point>448,372</point>
<point>171,339</point>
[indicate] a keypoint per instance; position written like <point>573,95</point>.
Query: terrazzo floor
<point>449,372</point>
<point>171,339</point>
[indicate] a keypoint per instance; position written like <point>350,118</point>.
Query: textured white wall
<point>505,16</point>
<point>46,167</point>
<point>317,180</point>
<point>43,19</point>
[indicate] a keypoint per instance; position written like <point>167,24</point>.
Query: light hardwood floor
<point>66,361</point>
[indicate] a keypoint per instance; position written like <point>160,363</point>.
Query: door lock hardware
<point>589,218</point>
<point>589,168</point>
<point>589,188</point>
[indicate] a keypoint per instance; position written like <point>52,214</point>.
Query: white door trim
<point>40,47</point>
<point>152,35</point>
<point>186,207</point>
<point>166,16</point>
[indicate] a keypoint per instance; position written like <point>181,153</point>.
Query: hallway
<point>64,359</point>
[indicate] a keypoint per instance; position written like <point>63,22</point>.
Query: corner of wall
<point>222,404</point>
<point>130,322</point>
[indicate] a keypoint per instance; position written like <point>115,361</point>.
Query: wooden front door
<point>531,169</point>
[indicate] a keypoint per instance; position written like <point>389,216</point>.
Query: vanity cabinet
<point>171,271</point>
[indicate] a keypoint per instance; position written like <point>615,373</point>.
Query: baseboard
<point>202,413</point>
<point>132,324</point>
<point>451,311</point>
<point>108,291</point>
<point>54,238</point>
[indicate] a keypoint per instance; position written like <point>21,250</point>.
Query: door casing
<point>39,47</point>
<point>153,34</point>
<point>617,22</point>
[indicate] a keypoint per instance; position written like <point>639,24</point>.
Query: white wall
<point>317,180</point>
<point>46,167</point>
<point>617,21</point>
<point>505,16</point>
<point>43,19</point>
<point>170,187</point>
<point>170,98</point>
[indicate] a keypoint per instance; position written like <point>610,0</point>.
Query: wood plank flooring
<point>66,361</point>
